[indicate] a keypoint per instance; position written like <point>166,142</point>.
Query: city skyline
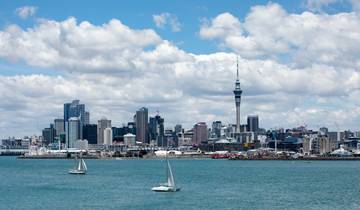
<point>183,65</point>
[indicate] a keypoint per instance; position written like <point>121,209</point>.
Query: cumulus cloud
<point>26,11</point>
<point>300,39</point>
<point>163,19</point>
<point>318,5</point>
<point>115,69</point>
<point>111,47</point>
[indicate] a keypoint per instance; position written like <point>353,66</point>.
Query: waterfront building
<point>237,93</point>
<point>185,138</point>
<point>324,145</point>
<point>306,146</point>
<point>129,139</point>
<point>170,139</point>
<point>103,123</point>
<point>48,135</point>
<point>90,133</point>
<point>216,129</point>
<point>252,123</point>
<point>178,128</point>
<point>324,131</point>
<point>200,133</point>
<point>108,136</point>
<point>156,130</point>
<point>59,127</point>
<point>247,137</point>
<point>72,129</point>
<point>82,144</point>
<point>142,125</point>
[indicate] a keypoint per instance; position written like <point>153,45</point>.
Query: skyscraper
<point>90,133</point>
<point>178,128</point>
<point>200,133</point>
<point>59,126</point>
<point>48,134</point>
<point>103,123</point>
<point>237,93</point>
<point>108,136</point>
<point>216,128</point>
<point>75,109</point>
<point>156,130</point>
<point>142,125</point>
<point>72,130</point>
<point>86,118</point>
<point>253,123</point>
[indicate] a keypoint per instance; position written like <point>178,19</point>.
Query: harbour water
<point>205,184</point>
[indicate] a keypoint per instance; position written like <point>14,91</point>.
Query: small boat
<point>80,168</point>
<point>170,185</point>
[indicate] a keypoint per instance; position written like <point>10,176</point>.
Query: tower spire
<point>237,67</point>
<point>237,93</point>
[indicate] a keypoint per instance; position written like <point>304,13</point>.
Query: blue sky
<point>138,14</point>
<point>298,61</point>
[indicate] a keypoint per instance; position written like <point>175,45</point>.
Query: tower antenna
<point>237,67</point>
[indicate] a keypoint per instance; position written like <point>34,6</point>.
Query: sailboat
<point>170,185</point>
<point>80,168</point>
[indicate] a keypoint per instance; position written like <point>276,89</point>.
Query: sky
<point>298,61</point>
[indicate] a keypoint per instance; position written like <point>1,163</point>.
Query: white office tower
<point>72,131</point>
<point>108,137</point>
<point>103,123</point>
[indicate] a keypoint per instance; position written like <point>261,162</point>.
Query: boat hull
<point>165,189</point>
<point>76,172</point>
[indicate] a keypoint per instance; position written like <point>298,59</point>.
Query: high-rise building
<point>252,123</point>
<point>48,134</point>
<point>200,133</point>
<point>75,109</point>
<point>72,129</point>
<point>156,130</point>
<point>108,136</point>
<point>59,126</point>
<point>216,128</point>
<point>170,139</point>
<point>90,133</point>
<point>178,128</point>
<point>142,125</point>
<point>86,118</point>
<point>102,124</point>
<point>237,93</point>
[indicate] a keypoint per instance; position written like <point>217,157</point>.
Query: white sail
<point>170,185</point>
<point>80,166</point>
<point>84,165</point>
<point>170,177</point>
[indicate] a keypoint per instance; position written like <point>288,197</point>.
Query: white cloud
<point>111,47</point>
<point>26,11</point>
<point>318,5</point>
<point>115,69</point>
<point>355,5</point>
<point>163,19</point>
<point>297,39</point>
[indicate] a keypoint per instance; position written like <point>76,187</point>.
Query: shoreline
<point>200,157</point>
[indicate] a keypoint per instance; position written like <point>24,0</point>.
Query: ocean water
<point>205,184</point>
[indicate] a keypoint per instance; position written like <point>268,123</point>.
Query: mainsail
<point>81,165</point>
<point>170,177</point>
